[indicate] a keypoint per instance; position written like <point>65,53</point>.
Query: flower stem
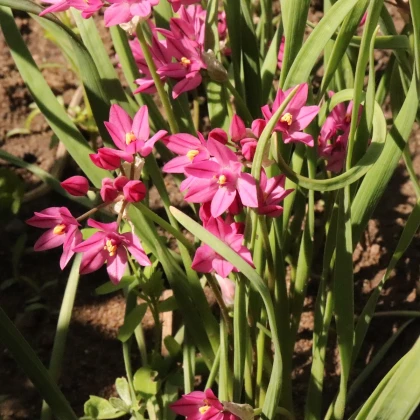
<point>218,295</point>
<point>240,104</point>
<point>158,83</point>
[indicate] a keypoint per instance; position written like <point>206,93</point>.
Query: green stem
<point>214,370</point>
<point>62,330</point>
<point>268,254</point>
<point>240,103</point>
<point>158,83</point>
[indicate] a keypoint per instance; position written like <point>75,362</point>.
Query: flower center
<point>60,229</point>
<point>222,180</point>
<point>129,138</point>
<point>111,247</point>
<point>185,61</point>
<point>287,118</point>
<point>192,154</point>
<point>204,409</point>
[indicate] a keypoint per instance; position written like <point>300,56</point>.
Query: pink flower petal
<point>116,265</point>
<point>203,258</point>
<point>247,190</point>
<point>49,240</point>
<point>206,170</point>
<point>186,85</point>
<point>222,267</point>
<point>222,200</point>
<point>92,261</point>
<point>117,13</point>
<point>299,137</point>
<point>221,152</point>
<point>141,127</point>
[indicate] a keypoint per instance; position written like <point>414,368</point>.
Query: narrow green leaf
<point>312,48</point>
<point>131,322</point>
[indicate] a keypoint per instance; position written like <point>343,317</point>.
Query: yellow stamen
<point>60,229</point>
<point>192,154</point>
<point>287,118</point>
<point>204,409</point>
<point>185,61</point>
<point>129,138</point>
<point>222,180</point>
<point>110,247</point>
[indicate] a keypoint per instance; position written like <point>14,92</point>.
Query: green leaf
<point>131,322</point>
<point>400,396</point>
<point>312,48</point>
<point>119,405</point>
<point>27,359</point>
<point>99,408</point>
<point>109,287</point>
<point>168,305</point>
<point>123,390</point>
<point>174,348</point>
<point>144,382</point>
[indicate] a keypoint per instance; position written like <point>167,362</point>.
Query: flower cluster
<point>107,245</point>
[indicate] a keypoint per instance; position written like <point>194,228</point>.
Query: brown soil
<point>93,359</point>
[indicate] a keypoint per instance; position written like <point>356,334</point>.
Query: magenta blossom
<point>295,118</point>
<point>220,180</point>
<point>63,229</point>
<point>206,260</point>
<point>227,287</point>
<point>132,136</point>
<point>110,159</point>
<point>110,246</point>
<point>87,7</point>
<point>76,185</point>
<point>189,148</point>
<point>123,11</point>
<point>176,4</point>
<point>273,192</point>
<point>199,405</point>
<point>333,138</point>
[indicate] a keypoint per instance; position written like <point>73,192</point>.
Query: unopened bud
<point>134,191</point>
<point>215,68</point>
<point>76,185</point>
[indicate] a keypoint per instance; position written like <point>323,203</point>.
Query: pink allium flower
<point>198,405</point>
<point>206,260</point>
<point>76,185</point>
<point>333,138</point>
<point>272,193</point>
<point>122,11</point>
<point>295,118</point>
<point>176,4</point>
<point>220,180</point>
<point>107,245</point>
<point>160,56</point>
<point>281,53</point>
<point>87,7</point>
<point>190,149</point>
<point>132,136</point>
<point>63,229</point>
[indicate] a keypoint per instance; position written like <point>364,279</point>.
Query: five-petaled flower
<point>63,229</point>
<point>110,246</point>
<point>123,11</point>
<point>296,116</point>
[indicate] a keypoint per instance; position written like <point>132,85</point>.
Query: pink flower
<point>206,260</point>
<point>130,190</point>
<point>222,25</point>
<point>134,191</point>
<point>87,7</point>
<point>220,180</point>
<point>176,4</point>
<point>272,193</point>
<point>160,56</point>
<point>281,53</point>
<point>107,245</point>
<point>198,405</point>
<point>76,185</point>
<point>110,159</point>
<point>130,136</point>
<point>63,229</point>
<point>190,149</point>
<point>122,11</point>
<point>56,6</point>
<point>333,138</point>
<point>227,287</point>
<point>295,118</point>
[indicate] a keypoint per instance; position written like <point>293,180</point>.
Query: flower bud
<point>219,135</point>
<point>108,191</point>
<point>215,68</point>
<point>76,185</point>
<point>134,191</point>
<point>237,129</point>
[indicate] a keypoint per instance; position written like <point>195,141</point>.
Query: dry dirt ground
<point>93,359</point>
